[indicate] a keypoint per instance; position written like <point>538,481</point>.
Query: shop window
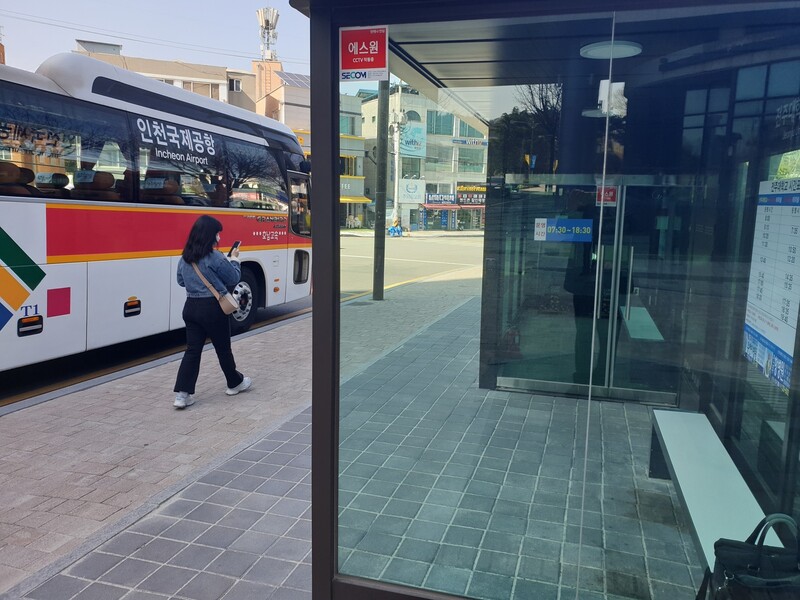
<point>754,107</point>
<point>750,82</point>
<point>467,130</point>
<point>440,123</point>
<point>410,167</point>
<point>784,79</point>
<point>718,99</point>
<point>439,158</point>
<point>348,166</point>
<point>470,160</point>
<point>347,125</point>
<point>695,102</point>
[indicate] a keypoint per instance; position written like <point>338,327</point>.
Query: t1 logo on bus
<point>18,279</point>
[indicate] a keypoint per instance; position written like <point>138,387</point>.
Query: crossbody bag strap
<point>204,280</point>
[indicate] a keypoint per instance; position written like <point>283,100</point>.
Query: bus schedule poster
<point>562,230</point>
<point>773,295</point>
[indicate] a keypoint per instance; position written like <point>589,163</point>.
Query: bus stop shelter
<point>629,152</point>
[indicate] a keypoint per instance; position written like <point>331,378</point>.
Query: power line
<point>138,38</point>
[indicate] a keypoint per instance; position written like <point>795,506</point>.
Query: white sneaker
<point>182,400</point>
<point>246,383</point>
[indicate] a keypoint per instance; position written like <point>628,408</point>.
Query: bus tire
<point>246,293</point>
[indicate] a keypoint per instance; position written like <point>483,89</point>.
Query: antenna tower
<point>268,22</point>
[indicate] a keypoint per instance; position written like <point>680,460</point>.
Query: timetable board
<point>562,230</point>
<point>773,297</point>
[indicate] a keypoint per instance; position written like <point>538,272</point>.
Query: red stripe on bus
<point>88,231</point>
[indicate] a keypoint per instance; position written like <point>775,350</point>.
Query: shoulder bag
<point>227,302</point>
<point>750,570</point>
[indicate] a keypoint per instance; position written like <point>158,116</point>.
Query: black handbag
<point>750,570</point>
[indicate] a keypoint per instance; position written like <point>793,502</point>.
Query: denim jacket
<point>220,272</point>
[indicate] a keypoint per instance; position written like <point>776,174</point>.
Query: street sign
<point>364,53</point>
<point>607,196</point>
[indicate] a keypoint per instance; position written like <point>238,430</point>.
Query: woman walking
<point>202,313</point>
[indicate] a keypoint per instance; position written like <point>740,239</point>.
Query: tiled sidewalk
<point>76,468</point>
<point>478,492</point>
<point>444,485</point>
<point>243,531</point>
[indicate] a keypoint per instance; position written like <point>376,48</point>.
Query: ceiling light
<point>607,49</point>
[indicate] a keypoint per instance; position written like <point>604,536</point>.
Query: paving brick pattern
<point>480,493</point>
<point>242,531</point>
<point>443,486</point>
<point>75,468</point>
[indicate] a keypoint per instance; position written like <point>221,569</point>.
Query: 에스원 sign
<point>364,53</point>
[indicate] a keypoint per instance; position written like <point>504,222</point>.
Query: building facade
<point>234,87</point>
<point>441,162</point>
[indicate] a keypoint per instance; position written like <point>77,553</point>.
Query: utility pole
<point>380,191</point>
<point>398,120</point>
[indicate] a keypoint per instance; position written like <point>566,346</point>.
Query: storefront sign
<point>471,193</point>
<point>363,54</point>
<point>470,142</point>
<point>412,191</point>
<point>440,198</point>
<point>562,230</point>
<point>412,140</point>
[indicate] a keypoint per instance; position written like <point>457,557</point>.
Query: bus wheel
<point>246,293</point>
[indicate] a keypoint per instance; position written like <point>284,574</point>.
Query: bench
<point>710,487</point>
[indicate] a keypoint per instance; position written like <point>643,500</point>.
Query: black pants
<point>205,319</point>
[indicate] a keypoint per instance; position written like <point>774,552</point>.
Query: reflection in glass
<point>620,209</point>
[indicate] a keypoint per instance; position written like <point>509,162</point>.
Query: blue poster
<point>562,230</point>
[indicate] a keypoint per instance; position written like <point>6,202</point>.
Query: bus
<point>102,174</point>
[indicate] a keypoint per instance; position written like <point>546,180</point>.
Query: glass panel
<point>750,83</point>
<point>255,178</point>
<point>622,211</point>
<point>695,102</point>
<point>784,79</point>
<point>445,485</point>
<point>718,99</point>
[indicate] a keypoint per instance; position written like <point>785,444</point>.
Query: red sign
<point>607,195</point>
<point>363,53</point>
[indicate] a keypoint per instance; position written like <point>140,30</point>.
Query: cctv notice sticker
<point>364,53</point>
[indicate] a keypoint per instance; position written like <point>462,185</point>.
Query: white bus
<point>102,174</point>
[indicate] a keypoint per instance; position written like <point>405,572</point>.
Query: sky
<point>212,32</point>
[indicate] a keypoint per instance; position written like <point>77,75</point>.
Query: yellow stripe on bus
<point>13,291</point>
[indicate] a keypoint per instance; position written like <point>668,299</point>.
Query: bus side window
<point>124,186</point>
<point>95,185</point>
<point>52,185</point>
<point>10,175</point>
<point>161,187</point>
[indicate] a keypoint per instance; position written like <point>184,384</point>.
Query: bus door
<point>299,284</point>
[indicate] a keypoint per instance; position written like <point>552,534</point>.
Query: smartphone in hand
<point>236,244</point>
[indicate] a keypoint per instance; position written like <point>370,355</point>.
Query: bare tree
<point>542,103</point>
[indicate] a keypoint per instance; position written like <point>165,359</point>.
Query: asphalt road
<point>407,259</point>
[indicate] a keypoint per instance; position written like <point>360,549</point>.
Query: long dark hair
<point>202,239</point>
